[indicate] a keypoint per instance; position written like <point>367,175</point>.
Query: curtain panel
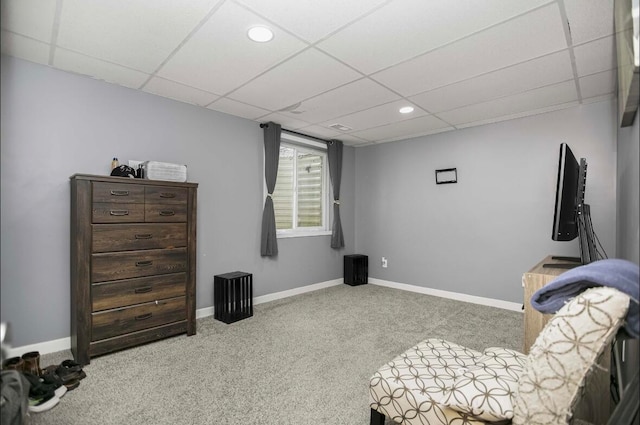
<point>269,242</point>
<point>334,150</point>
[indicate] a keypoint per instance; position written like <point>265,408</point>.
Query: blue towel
<point>620,274</point>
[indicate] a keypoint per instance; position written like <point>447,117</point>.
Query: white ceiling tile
<point>133,33</point>
<point>285,121</point>
<point>403,29</point>
<point>376,116</point>
<point>351,140</point>
<point>402,130</point>
<point>314,73</point>
<point>599,84</point>
<point>535,34</point>
<point>539,72</point>
<point>312,19</point>
<point>509,105</point>
<point>177,91</point>
<point>33,18</point>
<point>95,68</point>
<point>513,116</point>
<point>596,56</point>
<point>601,98</point>
<point>220,56</point>
<point>470,62</point>
<point>352,97</point>
<point>24,48</point>
<point>589,19</point>
<point>229,106</point>
<point>320,131</point>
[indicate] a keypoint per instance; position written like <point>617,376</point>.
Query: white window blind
<point>301,195</point>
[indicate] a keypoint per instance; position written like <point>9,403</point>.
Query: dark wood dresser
<point>133,262</point>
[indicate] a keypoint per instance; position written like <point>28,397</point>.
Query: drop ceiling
<point>349,62</point>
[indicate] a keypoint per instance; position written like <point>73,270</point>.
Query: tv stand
<point>573,262</point>
<point>561,258</point>
<point>593,405</point>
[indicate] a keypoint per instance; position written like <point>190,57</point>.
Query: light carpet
<point>302,360</point>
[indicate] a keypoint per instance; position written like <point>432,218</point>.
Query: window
<point>301,196</point>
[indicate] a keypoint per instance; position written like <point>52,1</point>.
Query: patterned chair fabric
<point>441,383</point>
<point>564,353</point>
<point>438,382</point>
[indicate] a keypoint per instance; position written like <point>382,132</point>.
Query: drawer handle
<point>144,316</point>
<point>167,195</point>
<point>144,263</point>
<point>119,213</point>
<point>167,213</point>
<point>143,290</point>
<point>144,236</point>
<point>120,192</point>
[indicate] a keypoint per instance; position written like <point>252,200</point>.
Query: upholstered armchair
<point>438,382</point>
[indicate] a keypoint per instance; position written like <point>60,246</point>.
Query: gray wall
<point>55,124</point>
<point>628,192</point>
<point>478,236</point>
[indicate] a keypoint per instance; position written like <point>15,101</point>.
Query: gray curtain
<point>269,242</point>
<point>335,171</point>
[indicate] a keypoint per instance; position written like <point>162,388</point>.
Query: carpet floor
<point>301,360</point>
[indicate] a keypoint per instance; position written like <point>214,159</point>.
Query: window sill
<point>286,235</point>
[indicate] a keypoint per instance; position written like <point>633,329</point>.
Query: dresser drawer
<point>109,295</point>
<point>131,237</point>
<point>103,212</point>
<point>118,193</point>
<point>110,323</point>
<point>128,264</point>
<point>154,213</point>
<point>165,195</point>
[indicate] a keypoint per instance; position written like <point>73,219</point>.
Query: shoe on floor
<point>41,386</point>
<point>44,402</point>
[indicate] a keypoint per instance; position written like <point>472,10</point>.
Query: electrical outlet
<point>384,262</point>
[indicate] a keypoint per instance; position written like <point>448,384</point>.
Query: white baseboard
<point>208,311</point>
<point>296,291</point>
<point>42,347</point>
<point>65,343</point>
<point>506,305</point>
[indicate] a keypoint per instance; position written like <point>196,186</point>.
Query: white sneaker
<point>43,404</point>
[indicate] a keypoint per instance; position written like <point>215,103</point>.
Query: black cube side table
<point>356,269</point>
<point>232,296</point>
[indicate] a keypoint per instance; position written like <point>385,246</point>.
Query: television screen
<point>572,217</point>
<point>565,218</point>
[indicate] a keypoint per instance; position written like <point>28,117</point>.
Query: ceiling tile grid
<point>353,63</point>
<point>219,57</point>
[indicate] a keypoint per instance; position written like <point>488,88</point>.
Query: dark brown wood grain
<point>120,293</point>
<point>166,195</point>
<point>126,237</point>
<point>131,339</point>
<point>118,193</point>
<point>165,213</point>
<point>133,257</point>
<point>104,212</point>
<point>128,264</point>
<point>110,323</point>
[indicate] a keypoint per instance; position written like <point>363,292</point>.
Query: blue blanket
<point>620,274</point>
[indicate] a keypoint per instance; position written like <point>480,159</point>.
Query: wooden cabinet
<point>133,262</point>
<point>533,280</point>
<point>594,403</point>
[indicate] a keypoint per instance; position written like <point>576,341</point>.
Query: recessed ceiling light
<point>260,34</point>
<point>406,109</point>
